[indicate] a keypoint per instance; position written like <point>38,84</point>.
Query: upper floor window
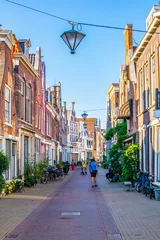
<point>38,86</point>
<point>146,86</point>
<point>7,104</point>
<point>153,84</point>
<point>29,103</point>
<point>141,91</point>
<point>22,87</point>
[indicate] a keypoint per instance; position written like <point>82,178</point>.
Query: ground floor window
<point>26,149</point>
<point>13,161</point>
<point>158,155</point>
<point>8,154</point>
<point>38,144</point>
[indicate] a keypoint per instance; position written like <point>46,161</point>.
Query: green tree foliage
<point>116,151</point>
<point>130,163</point>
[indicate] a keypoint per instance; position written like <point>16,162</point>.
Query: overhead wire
<point>78,23</point>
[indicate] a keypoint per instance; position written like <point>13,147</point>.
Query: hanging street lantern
<point>84,116</point>
<point>72,38</point>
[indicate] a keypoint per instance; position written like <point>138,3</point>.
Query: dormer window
<point>25,45</point>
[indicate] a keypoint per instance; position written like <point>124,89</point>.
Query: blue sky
<point>86,75</point>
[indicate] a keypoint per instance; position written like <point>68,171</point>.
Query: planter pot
<point>3,193</point>
<point>157,194</point>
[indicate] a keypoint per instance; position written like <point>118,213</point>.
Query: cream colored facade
<point>146,57</point>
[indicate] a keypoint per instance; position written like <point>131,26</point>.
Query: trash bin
<point>157,194</point>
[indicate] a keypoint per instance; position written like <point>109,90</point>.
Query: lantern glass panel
<point>65,39</point>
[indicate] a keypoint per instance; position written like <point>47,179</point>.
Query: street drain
<point>12,236</point>
<point>70,214</point>
<point>118,235</point>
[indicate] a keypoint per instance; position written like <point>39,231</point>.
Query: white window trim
<point>146,85</point>
<point>140,91</point>
<point>144,150</point>
<point>10,122</point>
<point>153,83</point>
<point>150,149</point>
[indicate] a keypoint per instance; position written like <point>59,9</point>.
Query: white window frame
<point>144,149</point>
<point>146,86</point>
<point>29,99</point>
<point>47,124</point>
<point>9,102</point>
<point>37,115</point>
<point>153,79</point>
<point>22,87</point>
<point>38,144</point>
<point>140,91</point>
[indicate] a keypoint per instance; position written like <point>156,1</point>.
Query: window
<point>37,117</point>
<point>8,154</point>
<point>153,84</point>
<point>141,91</point>
<point>146,86</point>
<point>7,104</point>
<point>47,124</point>
<point>38,143</point>
<point>38,86</point>
<point>29,100</point>
<point>22,88</point>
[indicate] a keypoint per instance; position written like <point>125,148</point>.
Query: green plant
<point>4,165</point>
<point>116,151</point>
<point>104,164</point>
<point>10,186</point>
<point>2,183</point>
<point>59,165</point>
<point>29,179</point>
<point>130,163</point>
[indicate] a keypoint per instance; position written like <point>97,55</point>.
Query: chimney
<point>73,102</point>
<point>54,97</point>
<point>128,42</point>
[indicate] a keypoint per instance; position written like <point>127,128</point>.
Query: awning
<point>126,110</point>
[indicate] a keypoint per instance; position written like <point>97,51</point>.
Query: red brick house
<point>8,119</point>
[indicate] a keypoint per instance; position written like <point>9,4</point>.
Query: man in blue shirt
<point>93,168</point>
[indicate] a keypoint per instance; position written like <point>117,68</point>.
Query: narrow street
<point>74,210</point>
<point>54,219</point>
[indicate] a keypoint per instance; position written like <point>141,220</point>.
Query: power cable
<point>78,23</point>
<point>89,110</point>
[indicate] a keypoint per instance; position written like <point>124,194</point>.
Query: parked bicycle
<point>145,184</point>
<point>111,176</point>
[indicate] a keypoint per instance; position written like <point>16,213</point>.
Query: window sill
<point>8,124</point>
<point>157,184</point>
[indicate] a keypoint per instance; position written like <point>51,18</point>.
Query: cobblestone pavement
<point>55,219</point>
<point>137,216</point>
<point>15,207</point>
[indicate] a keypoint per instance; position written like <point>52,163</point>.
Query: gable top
<point>153,13</point>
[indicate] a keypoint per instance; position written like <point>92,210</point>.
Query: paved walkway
<point>55,219</point>
<point>106,212</point>
<point>137,217</point>
<point>16,207</point>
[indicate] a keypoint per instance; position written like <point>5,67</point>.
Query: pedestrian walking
<point>84,168</point>
<point>93,168</point>
<point>73,166</point>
